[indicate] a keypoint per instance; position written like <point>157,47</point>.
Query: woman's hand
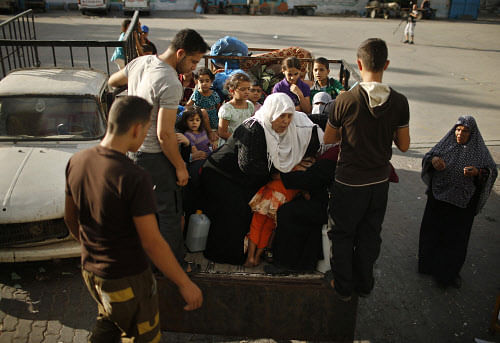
<point>471,171</point>
<point>438,163</point>
<point>181,139</point>
<point>296,90</point>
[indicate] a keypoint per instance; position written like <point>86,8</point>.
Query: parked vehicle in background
<point>46,115</point>
<point>85,6</point>
<point>143,6</point>
<point>43,121</point>
<point>386,10</point>
<point>301,7</point>
<point>9,5</point>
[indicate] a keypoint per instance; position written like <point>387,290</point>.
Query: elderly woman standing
<point>273,141</point>
<point>459,172</point>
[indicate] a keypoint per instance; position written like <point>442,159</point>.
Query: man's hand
<point>192,295</point>
<point>438,163</point>
<point>181,139</point>
<point>182,176</point>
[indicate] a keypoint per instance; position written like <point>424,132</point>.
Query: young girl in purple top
<point>292,85</point>
<point>192,126</point>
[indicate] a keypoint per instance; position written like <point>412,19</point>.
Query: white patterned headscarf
<point>285,150</point>
<point>450,185</point>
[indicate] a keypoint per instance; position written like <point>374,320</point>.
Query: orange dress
<point>265,204</point>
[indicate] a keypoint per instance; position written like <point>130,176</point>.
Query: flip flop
<point>328,278</point>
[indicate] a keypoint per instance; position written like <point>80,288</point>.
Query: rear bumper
<point>93,7</point>
<point>54,249</point>
<point>141,9</point>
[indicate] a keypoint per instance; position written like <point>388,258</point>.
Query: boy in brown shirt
<point>110,208</point>
<point>366,120</point>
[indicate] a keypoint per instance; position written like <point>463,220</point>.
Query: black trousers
<point>358,214</point>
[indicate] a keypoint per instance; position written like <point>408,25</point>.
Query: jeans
<point>168,198</point>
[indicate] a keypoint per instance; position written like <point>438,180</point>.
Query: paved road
<point>450,71</point>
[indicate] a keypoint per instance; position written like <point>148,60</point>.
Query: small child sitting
<point>255,94</point>
<point>322,83</point>
<point>265,205</point>
<point>239,108</point>
<point>191,125</point>
<point>293,85</point>
<point>205,98</point>
<point>319,114</point>
<point>191,129</point>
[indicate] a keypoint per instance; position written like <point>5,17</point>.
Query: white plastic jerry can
<point>324,264</point>
<point>197,232</point>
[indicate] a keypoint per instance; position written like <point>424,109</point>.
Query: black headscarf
<point>450,185</point>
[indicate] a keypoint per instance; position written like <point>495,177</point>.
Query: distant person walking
<point>366,120</point>
<point>155,78</point>
<point>459,172</point>
<point>410,25</point>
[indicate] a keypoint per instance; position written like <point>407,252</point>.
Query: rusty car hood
<point>32,181</point>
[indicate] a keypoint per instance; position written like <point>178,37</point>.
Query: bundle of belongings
<point>266,69</point>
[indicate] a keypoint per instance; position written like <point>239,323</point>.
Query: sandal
<point>190,267</point>
<point>268,255</point>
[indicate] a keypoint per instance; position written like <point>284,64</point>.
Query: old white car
<point>46,115</point>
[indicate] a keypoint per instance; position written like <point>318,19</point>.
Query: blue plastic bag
<point>228,46</point>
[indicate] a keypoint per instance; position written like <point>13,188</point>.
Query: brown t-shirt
<point>108,190</point>
<point>367,135</point>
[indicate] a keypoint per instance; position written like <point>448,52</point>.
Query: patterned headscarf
<point>285,150</point>
<point>450,185</point>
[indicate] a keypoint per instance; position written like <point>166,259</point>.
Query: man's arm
<point>160,253</point>
<point>168,142</point>
<point>118,79</point>
<point>402,138</point>
<point>71,217</point>
<point>332,135</point>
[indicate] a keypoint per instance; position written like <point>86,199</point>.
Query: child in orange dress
<point>265,204</point>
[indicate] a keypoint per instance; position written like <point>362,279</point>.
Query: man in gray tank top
<point>155,78</point>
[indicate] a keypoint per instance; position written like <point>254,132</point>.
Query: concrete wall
<point>172,5</point>
<point>324,7</point>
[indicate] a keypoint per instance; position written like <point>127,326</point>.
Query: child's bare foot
<point>257,261</point>
<point>250,262</point>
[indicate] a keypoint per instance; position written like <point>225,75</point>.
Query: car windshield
<point>50,118</point>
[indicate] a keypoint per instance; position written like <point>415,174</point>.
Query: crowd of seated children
<point>239,108</point>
